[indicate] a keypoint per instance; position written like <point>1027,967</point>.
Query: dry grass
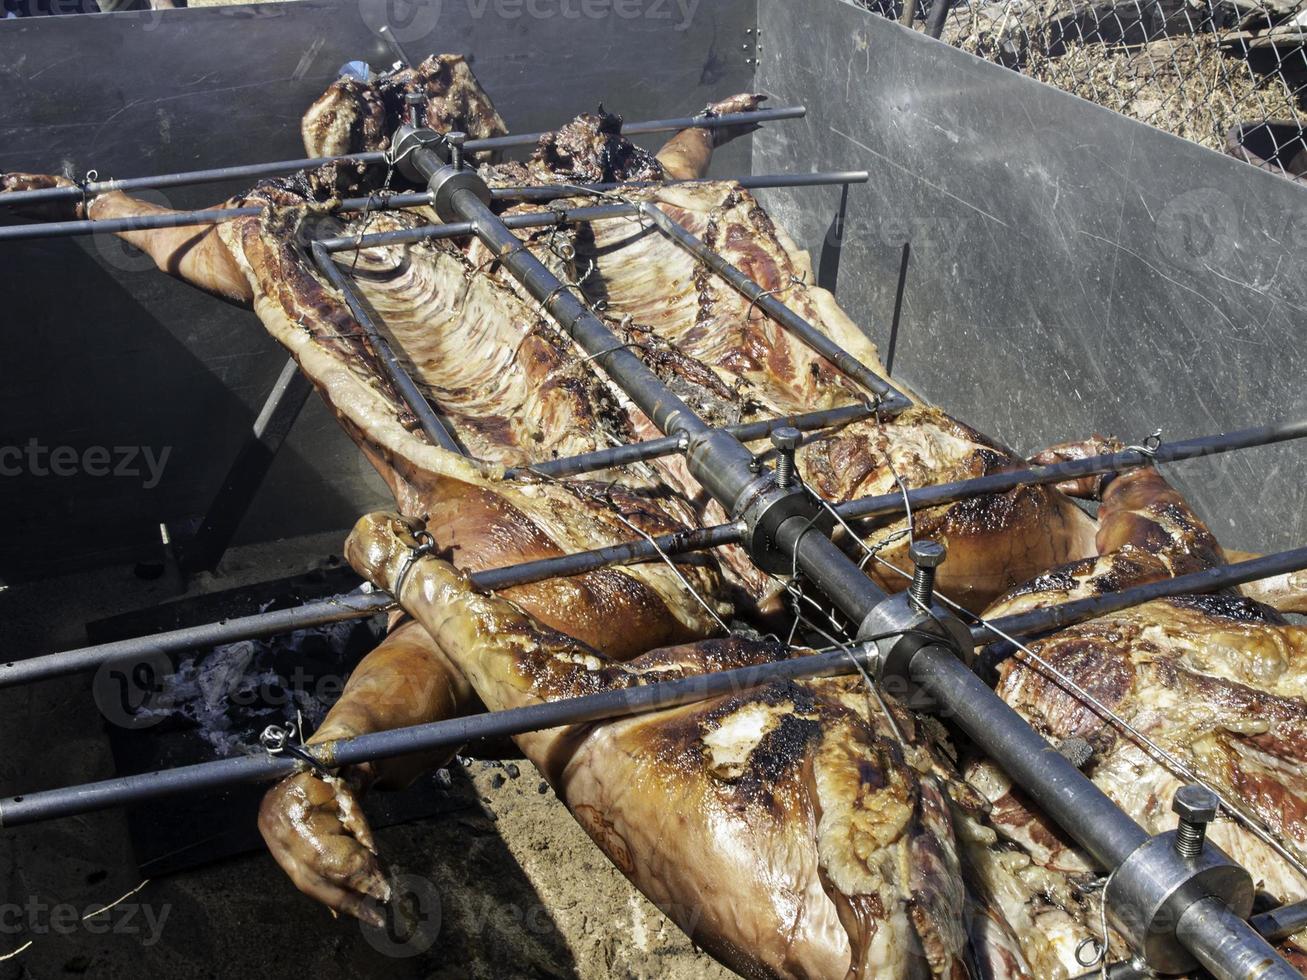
<point>1184,84</point>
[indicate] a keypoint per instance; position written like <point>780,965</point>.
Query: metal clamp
<point>447,181</point>
<point>1155,885</point>
<point>910,620</point>
<point>426,546</point>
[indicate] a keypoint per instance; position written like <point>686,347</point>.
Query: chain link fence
<point>1229,74</point>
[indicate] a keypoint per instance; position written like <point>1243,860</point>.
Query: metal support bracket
<point>202,549</point>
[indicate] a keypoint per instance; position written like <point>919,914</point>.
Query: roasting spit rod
<point>381,202</point>
<point>246,171</point>
<point>359,606</point>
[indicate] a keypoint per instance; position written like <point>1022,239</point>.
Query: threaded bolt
<point>1196,806</point>
<point>926,557</point>
<point>786,439</point>
<point>455,141</point>
<point>416,102</point>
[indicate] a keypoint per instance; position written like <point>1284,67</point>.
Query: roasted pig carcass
<point>866,874</point>
<point>1217,682</point>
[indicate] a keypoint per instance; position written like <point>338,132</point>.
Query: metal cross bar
<point>1167,452</point>
<point>361,605</point>
<point>184,219</point>
<point>459,229</point>
<point>68,801</point>
<point>392,202</point>
<point>655,126</point>
<point>358,605</point>
<point>244,171</point>
<point>778,311</point>
<point>636,452</point>
<point>1037,622</point>
<point>549,192</point>
<point>408,390</point>
<point>1031,623</point>
<point>560,216</point>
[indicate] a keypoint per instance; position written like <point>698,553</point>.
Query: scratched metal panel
<point>1070,270</point>
<point>100,350</point>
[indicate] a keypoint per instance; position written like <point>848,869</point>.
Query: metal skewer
<point>245,171</point>
<point>394,202</point>
<point>893,399</point>
<point>559,216</point>
<point>549,192</point>
<point>50,804</point>
<point>408,390</point>
<point>1032,623</point>
<point>602,459</point>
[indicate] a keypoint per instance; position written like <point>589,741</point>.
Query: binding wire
<point>677,572</point>
<point>799,596</point>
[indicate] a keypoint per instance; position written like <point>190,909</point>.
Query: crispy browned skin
<point>826,841</point>
<point>684,311</point>
<point>1219,681</point>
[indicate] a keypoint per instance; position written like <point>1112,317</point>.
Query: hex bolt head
<point>455,140</point>
<point>416,103</point>
<point>927,554</point>
<point>786,438</point>
<point>926,557</point>
<point>1195,803</point>
<point>1196,806</point>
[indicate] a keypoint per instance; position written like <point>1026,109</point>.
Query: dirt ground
<point>510,885</point>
